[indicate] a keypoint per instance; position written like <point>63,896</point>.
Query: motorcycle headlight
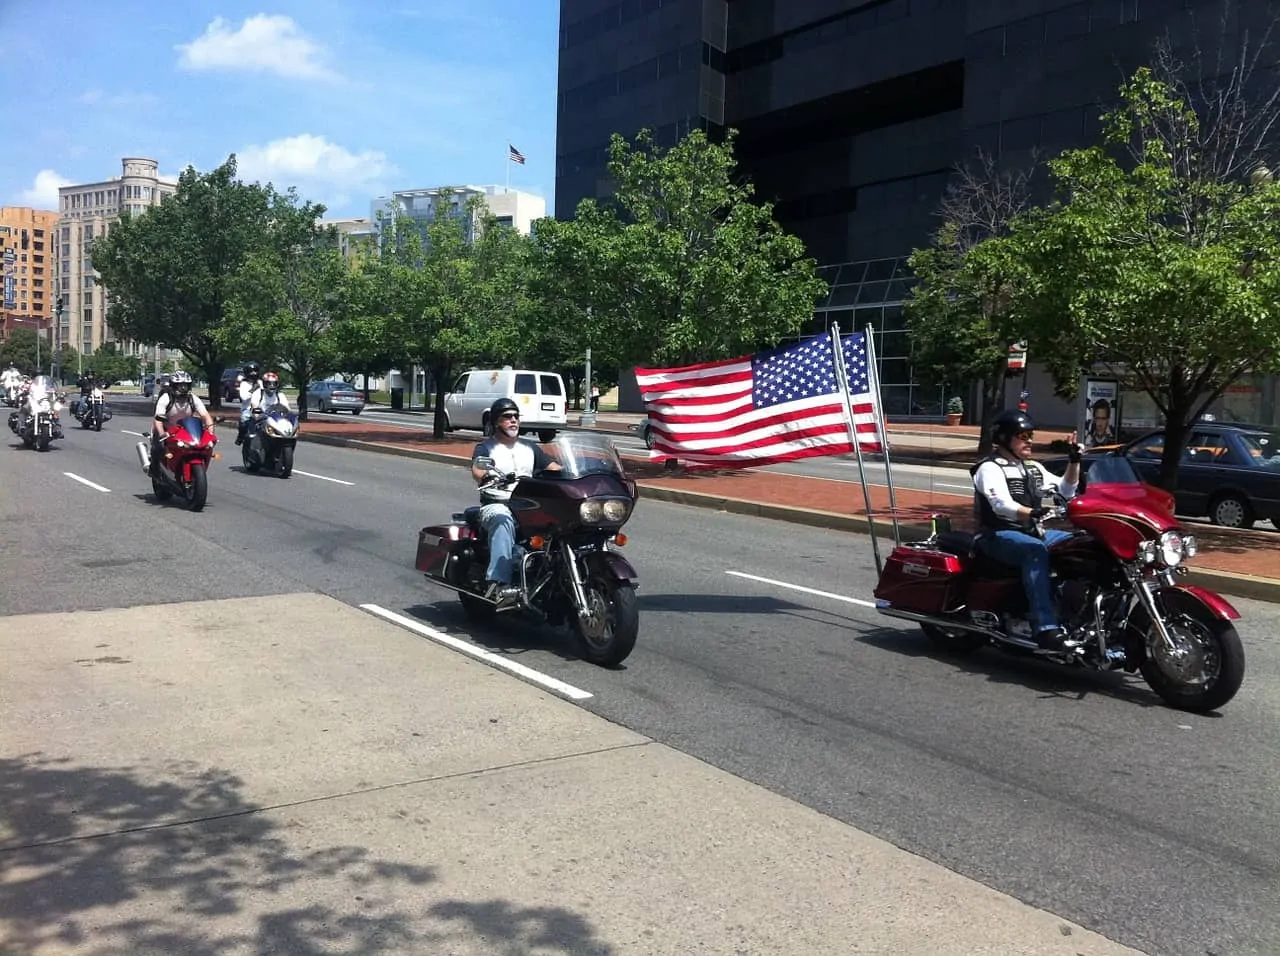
<point>271,430</point>
<point>43,405</point>
<point>1172,549</point>
<point>1147,552</point>
<point>616,510</point>
<point>590,511</point>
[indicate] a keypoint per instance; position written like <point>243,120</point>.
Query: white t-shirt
<point>166,401</point>
<point>523,458</point>
<point>261,398</point>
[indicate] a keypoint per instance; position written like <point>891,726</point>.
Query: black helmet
<point>251,369</point>
<point>1009,423</point>
<point>500,408</point>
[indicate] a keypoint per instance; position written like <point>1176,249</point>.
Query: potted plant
<point>955,410</point>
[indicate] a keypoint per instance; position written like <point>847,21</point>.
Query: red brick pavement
<point>1253,553</point>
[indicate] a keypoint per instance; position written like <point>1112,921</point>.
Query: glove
<point>1039,514</point>
<point>1074,451</point>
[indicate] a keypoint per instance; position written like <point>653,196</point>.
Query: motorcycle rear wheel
<point>609,634</point>
<point>953,641</point>
<point>1210,643</point>
<point>198,490</point>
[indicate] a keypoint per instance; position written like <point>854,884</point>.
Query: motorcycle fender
<point>610,564</point>
<point>1217,605</point>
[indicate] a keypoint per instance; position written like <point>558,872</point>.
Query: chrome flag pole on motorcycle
<point>873,371</point>
<point>843,375</point>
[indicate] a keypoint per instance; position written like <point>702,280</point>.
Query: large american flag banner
<point>780,405</point>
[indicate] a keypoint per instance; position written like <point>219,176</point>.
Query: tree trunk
<point>440,371</point>
<point>300,381</point>
<point>1176,429</point>
<point>993,399</point>
<point>366,386</point>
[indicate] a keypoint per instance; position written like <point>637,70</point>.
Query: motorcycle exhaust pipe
<point>144,454</point>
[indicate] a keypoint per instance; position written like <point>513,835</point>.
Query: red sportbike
<point>182,469</point>
<point>1115,585</point>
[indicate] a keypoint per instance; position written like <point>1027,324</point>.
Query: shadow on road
<point>101,860</point>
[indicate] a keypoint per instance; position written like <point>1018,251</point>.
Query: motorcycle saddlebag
<point>917,579</point>
<point>435,544</point>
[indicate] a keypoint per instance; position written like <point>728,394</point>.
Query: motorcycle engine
<point>1075,602</point>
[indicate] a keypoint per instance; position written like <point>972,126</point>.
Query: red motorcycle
<point>1115,587</point>
<point>182,469</point>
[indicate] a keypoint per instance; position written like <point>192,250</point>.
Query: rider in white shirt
<point>248,385</point>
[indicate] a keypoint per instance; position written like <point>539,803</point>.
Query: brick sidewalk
<point>1253,553</point>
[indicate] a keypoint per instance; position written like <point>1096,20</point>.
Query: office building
<point>510,207</point>
<point>852,114</point>
<point>27,293</point>
<point>87,213</point>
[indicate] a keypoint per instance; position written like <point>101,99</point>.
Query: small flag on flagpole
<point>783,404</point>
<point>515,155</point>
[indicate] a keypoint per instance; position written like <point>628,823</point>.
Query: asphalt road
<point>1077,792</point>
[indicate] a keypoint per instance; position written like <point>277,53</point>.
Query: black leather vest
<point>1024,488</point>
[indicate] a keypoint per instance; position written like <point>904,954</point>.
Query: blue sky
<point>344,99</point>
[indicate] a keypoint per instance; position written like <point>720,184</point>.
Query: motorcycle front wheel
<point>198,489</point>
<point>1205,668</point>
<point>608,633</point>
<point>284,464</point>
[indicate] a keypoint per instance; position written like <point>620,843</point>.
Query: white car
<point>539,395</point>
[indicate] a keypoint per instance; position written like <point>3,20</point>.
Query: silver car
<point>334,397</point>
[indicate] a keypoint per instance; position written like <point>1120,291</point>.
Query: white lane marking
<point>961,487</point>
<point>497,660</point>
<point>336,481</point>
<point>800,587</point>
<point>127,432</point>
<point>86,481</point>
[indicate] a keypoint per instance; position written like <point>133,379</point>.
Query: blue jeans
<point>1032,555</point>
<point>500,526</point>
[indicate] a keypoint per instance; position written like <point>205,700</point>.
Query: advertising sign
<point>1017,356</point>
<point>1101,411</point>
<point>10,291</point>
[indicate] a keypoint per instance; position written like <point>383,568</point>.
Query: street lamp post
<point>57,335</point>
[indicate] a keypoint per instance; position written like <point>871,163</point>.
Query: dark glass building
<point>852,114</point>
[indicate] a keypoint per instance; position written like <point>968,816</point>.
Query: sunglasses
<point>1025,436</point>
<point>506,415</point>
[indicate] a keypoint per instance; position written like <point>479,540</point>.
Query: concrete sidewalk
<point>343,785</point>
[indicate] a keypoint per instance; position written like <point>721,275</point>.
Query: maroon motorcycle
<point>568,527</point>
<point>1115,586</point>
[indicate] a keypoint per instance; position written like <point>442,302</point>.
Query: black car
<point>1228,474</point>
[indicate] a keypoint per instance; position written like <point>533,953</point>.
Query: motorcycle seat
<point>968,546</point>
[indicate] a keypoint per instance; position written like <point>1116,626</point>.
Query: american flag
<point>515,154</point>
<point>780,405</point>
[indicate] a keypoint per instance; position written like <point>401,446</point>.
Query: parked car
<point>334,397</point>
<point>540,396</point>
<point>1229,475</point>
<point>231,379</point>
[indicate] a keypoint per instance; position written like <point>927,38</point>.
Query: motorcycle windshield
<point>42,386</point>
<point>279,411</point>
<point>193,427</point>
<point>586,453</point>
<point>1110,481</point>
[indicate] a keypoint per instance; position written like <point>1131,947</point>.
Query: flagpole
<point>507,188</point>
<point>882,429</point>
<point>846,402</point>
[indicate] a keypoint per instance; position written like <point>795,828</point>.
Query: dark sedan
<point>1229,475</point>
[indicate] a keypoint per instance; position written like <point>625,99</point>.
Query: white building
<point>87,212</point>
<point>351,232</point>
<point>509,207</point>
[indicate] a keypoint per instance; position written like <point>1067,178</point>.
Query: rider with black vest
<point>1009,488</point>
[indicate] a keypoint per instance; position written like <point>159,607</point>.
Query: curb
<point>1223,582</point>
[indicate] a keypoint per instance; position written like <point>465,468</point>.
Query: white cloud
<point>43,193</point>
<point>320,169</point>
<point>265,43</point>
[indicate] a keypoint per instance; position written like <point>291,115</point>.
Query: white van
<point>540,396</point>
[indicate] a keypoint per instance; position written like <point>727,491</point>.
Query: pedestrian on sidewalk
<point>595,398</point>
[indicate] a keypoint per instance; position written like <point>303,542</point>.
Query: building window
<point>88,282</point>
<point>66,284</point>
<point>88,230</point>
<point>66,249</point>
<point>66,233</point>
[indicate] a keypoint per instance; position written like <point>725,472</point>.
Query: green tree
<point>684,265</point>
<point>169,272</point>
<point>452,290</point>
<point>108,364</point>
<point>285,300</point>
<point>19,349</point>
<point>961,318</point>
<point>1161,260</point>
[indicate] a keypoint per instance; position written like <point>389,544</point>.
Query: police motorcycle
<point>36,421</point>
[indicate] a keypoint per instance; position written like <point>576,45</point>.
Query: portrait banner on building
<point>1101,414</point>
